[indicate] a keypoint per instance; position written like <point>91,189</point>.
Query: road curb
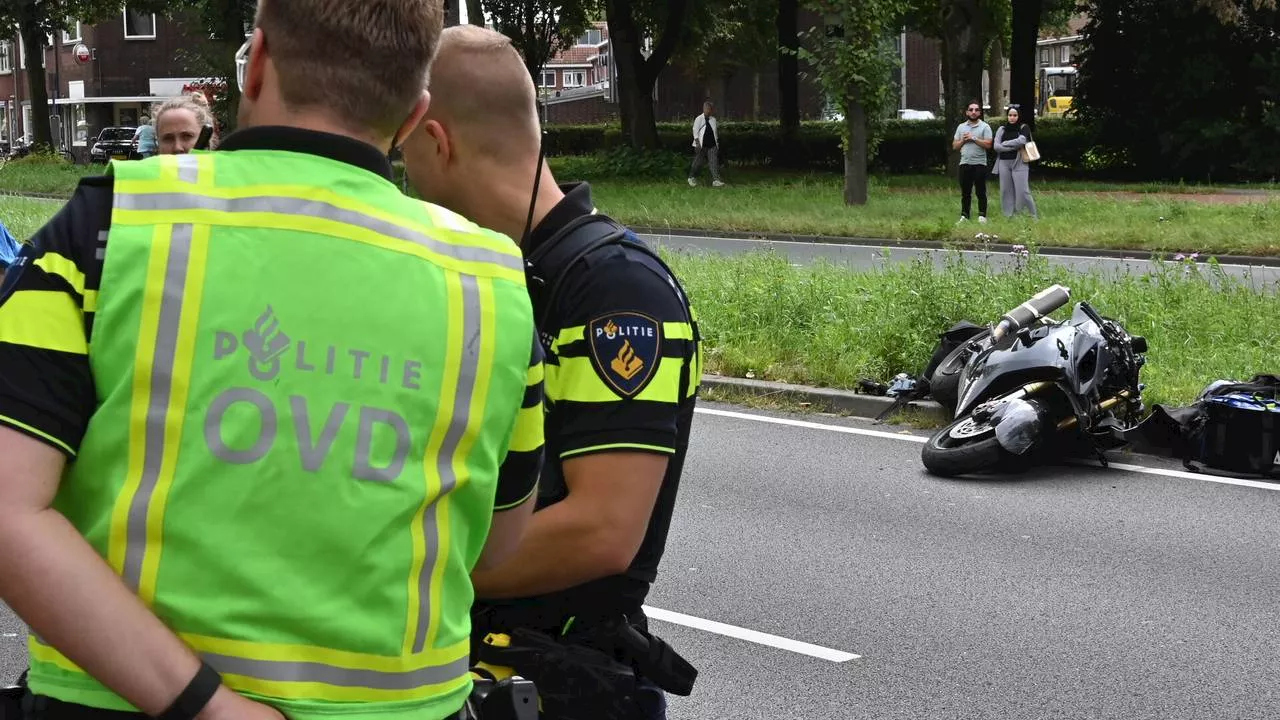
<point>907,244</point>
<point>828,399</point>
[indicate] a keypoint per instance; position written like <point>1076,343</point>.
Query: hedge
<point>906,146</point>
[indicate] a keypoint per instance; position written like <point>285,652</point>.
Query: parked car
<point>113,143</point>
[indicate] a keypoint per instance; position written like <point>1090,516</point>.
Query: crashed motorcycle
<point>1031,386</point>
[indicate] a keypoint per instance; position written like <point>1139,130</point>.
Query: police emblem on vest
<point>625,348</point>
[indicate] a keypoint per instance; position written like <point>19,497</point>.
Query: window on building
<point>139,25</point>
<point>73,36</point>
<point>1064,54</point>
<point>4,122</point>
<point>548,78</point>
<point>6,57</point>
<point>591,37</point>
<point>22,54</point>
<point>1046,55</point>
<point>27,125</point>
<point>575,78</point>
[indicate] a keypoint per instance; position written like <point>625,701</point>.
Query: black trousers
<point>973,177</point>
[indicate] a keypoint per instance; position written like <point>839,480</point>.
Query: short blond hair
<point>481,89</point>
<point>363,61</point>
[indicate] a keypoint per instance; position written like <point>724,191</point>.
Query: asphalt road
<point>1067,592</point>
<point>865,257</point>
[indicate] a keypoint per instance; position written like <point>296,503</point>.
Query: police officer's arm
<point>518,479</point>
<point>615,410</point>
<point>51,577</point>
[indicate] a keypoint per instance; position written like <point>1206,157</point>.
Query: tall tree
<point>35,20</point>
<point>225,23</point>
<point>789,66</point>
<point>635,26</point>
<point>965,35</point>
<point>1026,19</point>
<point>732,37</point>
<point>540,28</point>
<point>854,56</point>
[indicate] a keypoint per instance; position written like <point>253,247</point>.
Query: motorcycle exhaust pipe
<point>1045,302</point>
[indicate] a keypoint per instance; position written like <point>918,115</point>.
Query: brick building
<point>127,64</point>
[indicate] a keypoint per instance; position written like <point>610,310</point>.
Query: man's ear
<point>415,118</point>
<point>440,136</point>
<point>258,59</point>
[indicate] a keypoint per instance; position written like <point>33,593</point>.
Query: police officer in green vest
<point>262,415</point>
<point>623,368</point>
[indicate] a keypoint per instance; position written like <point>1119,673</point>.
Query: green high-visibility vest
<point>306,384</point>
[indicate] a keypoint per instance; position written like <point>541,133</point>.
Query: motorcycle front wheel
<point>965,446</point>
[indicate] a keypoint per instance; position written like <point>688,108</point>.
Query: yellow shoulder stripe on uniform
<point>528,433</point>
<point>576,380</point>
<point>63,267</point>
<point>44,319</point>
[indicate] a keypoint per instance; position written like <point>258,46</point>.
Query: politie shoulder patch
<point>626,348</point>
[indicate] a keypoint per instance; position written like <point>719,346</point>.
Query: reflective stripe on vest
<point>167,225</point>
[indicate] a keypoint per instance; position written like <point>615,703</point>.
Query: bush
<point>906,146</point>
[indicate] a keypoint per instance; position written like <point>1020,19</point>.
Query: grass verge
<point>811,204</point>
<point>23,216</point>
<point>830,327</point>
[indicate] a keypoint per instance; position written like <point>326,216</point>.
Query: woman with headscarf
<point>1015,187</point>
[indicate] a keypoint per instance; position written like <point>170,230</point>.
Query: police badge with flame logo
<point>625,348</point>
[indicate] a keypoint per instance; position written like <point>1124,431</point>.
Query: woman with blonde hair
<point>179,123</point>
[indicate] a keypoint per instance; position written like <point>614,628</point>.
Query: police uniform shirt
<point>619,342</point>
<point>46,385</point>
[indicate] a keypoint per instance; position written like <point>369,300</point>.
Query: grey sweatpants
<point>1015,190</point>
<point>704,156</point>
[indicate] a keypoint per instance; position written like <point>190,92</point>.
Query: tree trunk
<point>452,15</point>
<point>636,74</point>
<point>475,12</point>
<point>964,40</point>
<point>855,154</point>
<point>33,43</point>
<point>788,67</point>
<point>1022,58</point>
<point>995,76</point>
<point>232,34</point>
<point>755,96</point>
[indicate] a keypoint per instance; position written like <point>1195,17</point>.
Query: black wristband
<point>195,696</point>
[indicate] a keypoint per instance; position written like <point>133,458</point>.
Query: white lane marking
<point>813,425</point>
<point>879,248</point>
<point>1141,469</point>
<point>759,638</point>
<point>1203,477</point>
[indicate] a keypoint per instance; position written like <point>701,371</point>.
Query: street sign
<point>83,54</point>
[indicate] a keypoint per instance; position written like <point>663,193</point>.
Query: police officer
<point>622,372</point>
<point>255,406</point>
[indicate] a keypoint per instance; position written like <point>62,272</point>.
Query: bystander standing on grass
<point>973,139</point>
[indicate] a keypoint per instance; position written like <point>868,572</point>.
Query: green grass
<point>831,327</point>
<point>812,205</point>
<point>44,175</point>
<point>23,216</point>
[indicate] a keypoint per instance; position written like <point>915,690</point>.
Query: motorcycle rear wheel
<point>965,446</point>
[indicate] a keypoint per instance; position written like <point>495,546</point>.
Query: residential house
<point>98,76</point>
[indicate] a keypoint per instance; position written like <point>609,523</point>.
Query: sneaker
<point>717,183</point>
<point>962,220</point>
<point>693,183</point>
<point>982,219</point>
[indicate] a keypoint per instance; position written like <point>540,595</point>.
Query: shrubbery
<point>906,146</point>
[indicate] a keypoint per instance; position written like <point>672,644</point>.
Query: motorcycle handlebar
<point>1045,302</point>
